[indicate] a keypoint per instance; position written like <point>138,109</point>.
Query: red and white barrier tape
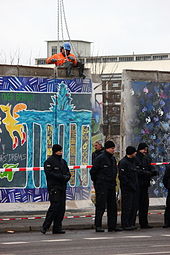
<point>159,164</point>
<point>24,169</point>
<point>66,217</point>
<point>38,218</point>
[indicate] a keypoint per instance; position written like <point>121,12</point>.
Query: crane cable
<point>60,16</point>
<point>62,31</point>
<point>58,24</point>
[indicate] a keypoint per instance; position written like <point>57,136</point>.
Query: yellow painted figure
<point>11,123</point>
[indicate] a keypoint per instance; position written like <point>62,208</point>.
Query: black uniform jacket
<point>128,175</point>
<point>96,153</point>
<point>57,173</point>
<point>166,178</point>
<point>145,170</point>
<point>104,169</point>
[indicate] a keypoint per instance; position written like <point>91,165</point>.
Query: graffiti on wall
<point>151,123</point>
<point>31,122</point>
<point>97,113</point>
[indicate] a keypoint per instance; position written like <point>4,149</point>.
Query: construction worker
<point>66,59</point>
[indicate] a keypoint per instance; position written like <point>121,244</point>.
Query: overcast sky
<point>114,26</point>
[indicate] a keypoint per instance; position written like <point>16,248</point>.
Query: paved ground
<point>13,213</point>
<point>16,224</point>
<point>87,242</point>
<point>71,205</point>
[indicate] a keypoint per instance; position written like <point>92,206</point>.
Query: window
<point>143,58</point>
<point>116,85</point>
<point>160,57</point>
<point>41,62</point>
<point>110,59</point>
<point>115,97</point>
<point>54,50</point>
<point>82,60</point>
<point>94,60</point>
<point>116,109</point>
<point>125,59</point>
<point>115,119</point>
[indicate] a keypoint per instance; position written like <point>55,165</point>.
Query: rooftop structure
<point>81,48</point>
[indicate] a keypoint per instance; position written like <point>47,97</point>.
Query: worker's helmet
<point>67,46</point>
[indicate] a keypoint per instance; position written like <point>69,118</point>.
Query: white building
<point>116,64</point>
<point>113,64</point>
<point>107,90</point>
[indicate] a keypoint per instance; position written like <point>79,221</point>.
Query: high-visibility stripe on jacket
<point>61,59</point>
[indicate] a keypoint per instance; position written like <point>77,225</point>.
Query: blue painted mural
<point>150,103</point>
<point>34,114</point>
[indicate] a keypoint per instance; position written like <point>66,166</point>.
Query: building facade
<point>110,69</point>
<point>79,48</point>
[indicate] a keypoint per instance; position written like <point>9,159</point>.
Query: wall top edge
<point>143,75</point>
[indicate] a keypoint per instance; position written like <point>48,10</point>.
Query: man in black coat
<point>129,189</point>
<point>103,174</point>
<point>57,175</point>
<point>98,150</point>
<point>166,182</point>
<point>145,173</point>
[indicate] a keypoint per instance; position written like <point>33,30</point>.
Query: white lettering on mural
<point>14,157</point>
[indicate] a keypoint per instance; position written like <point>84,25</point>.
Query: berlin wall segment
<point>36,112</point>
<point>146,117</point>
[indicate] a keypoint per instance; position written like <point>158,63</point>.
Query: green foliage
<point>8,175</point>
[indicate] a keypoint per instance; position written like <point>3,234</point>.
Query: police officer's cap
<point>56,147</point>
<point>130,150</point>
<point>142,146</point>
<point>109,144</point>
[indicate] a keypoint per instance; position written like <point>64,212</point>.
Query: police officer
<point>98,150</point>
<point>129,189</point>
<point>166,182</point>
<point>57,175</point>
<point>146,172</point>
<point>103,174</point>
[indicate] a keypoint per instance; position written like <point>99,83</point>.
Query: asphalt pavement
<point>75,219</point>
<point>24,217</point>
<point>153,241</point>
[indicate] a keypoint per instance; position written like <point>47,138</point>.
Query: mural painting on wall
<point>30,122</point>
<point>151,102</point>
<point>97,109</point>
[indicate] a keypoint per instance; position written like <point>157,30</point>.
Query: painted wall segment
<point>146,118</point>
<point>31,121</point>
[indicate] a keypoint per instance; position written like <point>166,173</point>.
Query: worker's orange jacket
<point>61,59</point>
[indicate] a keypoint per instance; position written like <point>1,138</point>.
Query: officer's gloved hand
<point>71,58</point>
<point>141,172</point>
<point>66,178</point>
<point>53,60</point>
<point>155,173</point>
<point>148,173</point>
